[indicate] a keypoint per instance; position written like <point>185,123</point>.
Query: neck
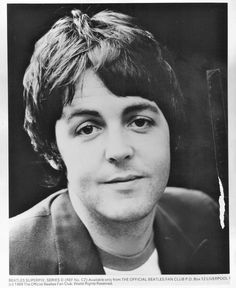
<point>116,237</point>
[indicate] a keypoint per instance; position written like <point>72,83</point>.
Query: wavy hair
<point>126,58</point>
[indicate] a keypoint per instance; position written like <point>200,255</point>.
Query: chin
<point>127,214</point>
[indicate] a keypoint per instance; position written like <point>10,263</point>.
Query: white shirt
<point>150,267</point>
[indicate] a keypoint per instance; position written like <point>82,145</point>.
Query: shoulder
<point>29,220</point>
<point>31,236</point>
<point>186,193</point>
<point>195,217</point>
<point>193,211</point>
<point>176,198</point>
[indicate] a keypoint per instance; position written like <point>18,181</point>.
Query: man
<point>102,107</point>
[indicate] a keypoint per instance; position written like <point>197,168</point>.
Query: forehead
<point>91,93</point>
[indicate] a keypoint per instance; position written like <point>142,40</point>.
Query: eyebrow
<point>133,108</point>
<point>83,112</point>
<point>140,107</point>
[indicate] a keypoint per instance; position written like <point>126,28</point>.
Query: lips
<point>123,179</point>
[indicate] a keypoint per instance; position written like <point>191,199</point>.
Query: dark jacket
<point>50,238</point>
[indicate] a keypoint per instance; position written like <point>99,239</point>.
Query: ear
<point>53,164</point>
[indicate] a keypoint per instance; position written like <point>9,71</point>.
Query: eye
<point>141,123</point>
<point>87,129</point>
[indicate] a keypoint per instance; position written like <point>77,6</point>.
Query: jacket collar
<point>77,254</point>
<point>76,251</point>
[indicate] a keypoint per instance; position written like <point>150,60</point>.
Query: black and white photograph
<point>118,139</point>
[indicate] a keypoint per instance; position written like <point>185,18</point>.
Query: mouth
<point>123,179</point>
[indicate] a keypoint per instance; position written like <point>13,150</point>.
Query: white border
<point>4,135</point>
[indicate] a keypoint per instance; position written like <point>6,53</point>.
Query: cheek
<point>161,167</point>
<point>80,159</point>
<point>157,150</point>
<point>157,158</point>
<point>80,167</point>
<point>163,162</point>
<point>80,179</point>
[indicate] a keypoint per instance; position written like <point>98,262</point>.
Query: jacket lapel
<point>76,251</point>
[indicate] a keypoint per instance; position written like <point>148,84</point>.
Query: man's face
<point>116,151</point>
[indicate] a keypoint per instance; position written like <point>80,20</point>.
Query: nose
<point>118,148</point>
